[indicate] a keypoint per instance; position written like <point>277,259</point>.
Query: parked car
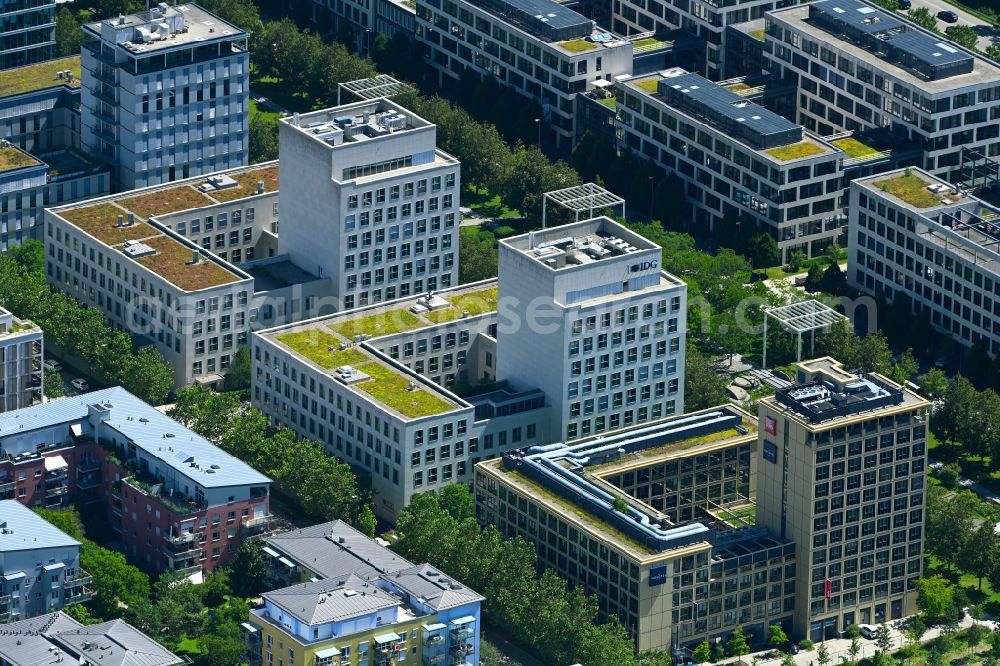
<point>948,16</point>
<point>80,384</point>
<point>49,364</point>
<point>905,4</point>
<point>868,631</point>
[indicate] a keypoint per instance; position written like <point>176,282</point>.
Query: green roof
<point>321,348</point>
<point>578,45</point>
<point>796,151</point>
<point>386,322</point>
<point>39,76</point>
<point>11,158</point>
<point>473,302</point>
<point>910,188</point>
<point>856,149</point>
<point>391,388</point>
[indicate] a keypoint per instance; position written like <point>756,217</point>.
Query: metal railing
<point>249,522</point>
<point>82,578</point>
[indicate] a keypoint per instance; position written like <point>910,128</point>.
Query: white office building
<point>373,203</point>
<point>165,95</point>
<point>583,333</point>
<point>21,359</point>
<point>40,563</point>
<point>859,67</point>
<point>935,244</point>
<point>27,32</point>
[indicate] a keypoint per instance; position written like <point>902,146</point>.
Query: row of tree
<point>952,534</point>
<point>323,487</point>
<point>537,611</point>
<point>78,332</point>
<point>169,610</point>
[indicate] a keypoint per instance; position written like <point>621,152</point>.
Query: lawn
<point>39,76</point>
<point>795,151</point>
<point>391,389</point>
<point>854,148</point>
<point>12,158</point>
<point>99,220</point>
<point>609,102</point>
<point>486,204</point>
<point>172,262</point>
<point>757,34</point>
<point>474,302</point>
<point>189,645</point>
<point>578,45</point>
<point>255,110</point>
<point>738,87</point>
<point>911,189</point>
<point>282,94</point>
<point>381,323</point>
<point>169,200</point>
<point>320,347</point>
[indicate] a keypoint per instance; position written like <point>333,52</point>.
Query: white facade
<point>942,257</point>
<point>165,95</point>
<point>935,111</point>
<point>548,65</point>
<point>588,317</point>
<point>373,203</point>
<point>21,351</point>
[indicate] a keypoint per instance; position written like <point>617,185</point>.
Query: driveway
<point>987,34</point>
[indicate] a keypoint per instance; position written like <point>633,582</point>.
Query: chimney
<point>295,118</point>
<point>131,218</point>
<point>260,187</point>
<point>120,222</point>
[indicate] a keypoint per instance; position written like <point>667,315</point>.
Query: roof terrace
<point>13,158</point>
<point>579,243</point>
<point>163,27</point>
<point>356,122</point>
<point>42,75</point>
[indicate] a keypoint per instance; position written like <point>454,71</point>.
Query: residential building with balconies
<point>165,95</point>
<point>40,565</point>
<point>359,604</point>
<point>179,502</point>
<point>27,32</point>
<point>21,352</point>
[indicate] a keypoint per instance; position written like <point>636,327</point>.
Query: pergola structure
<point>581,199</point>
<point>798,318</point>
<point>382,85</point>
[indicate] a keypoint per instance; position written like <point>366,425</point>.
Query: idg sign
<point>645,266</point>
<point>657,575</point>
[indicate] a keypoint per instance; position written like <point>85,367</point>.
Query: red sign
<point>829,588</point>
<point>770,426</point>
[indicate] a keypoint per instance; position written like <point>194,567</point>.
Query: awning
<point>76,429</point>
<point>287,562</point>
<point>207,380</point>
<point>437,626</point>
<point>465,619</point>
<point>14,576</point>
<point>53,566</point>
<point>270,551</point>
<point>52,463</point>
<point>249,627</point>
<point>386,638</point>
<point>602,83</point>
<point>327,653</point>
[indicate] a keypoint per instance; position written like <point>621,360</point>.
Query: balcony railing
<point>187,571</point>
<point>56,492</point>
<point>85,467</point>
<point>187,553</point>
<point>253,523</point>
<point>459,634</point>
<point>4,599</point>
<point>7,486</point>
<point>177,538</point>
<point>79,597</point>
<point>82,578</point>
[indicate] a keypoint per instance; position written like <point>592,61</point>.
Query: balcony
<point>87,466</point>
<point>188,571</point>
<point>433,661</point>
<point>178,538</point>
<point>250,523</point>
<point>176,503</point>
<point>461,649</point>
<point>184,552</point>
<point>78,597</point>
<point>82,578</point>
<point>58,491</point>
<point>7,486</point>
<point>89,482</point>
<point>4,616</point>
<point>4,599</point>
<point>459,634</point>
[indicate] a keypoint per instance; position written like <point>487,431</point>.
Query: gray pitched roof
<point>334,550</point>
<point>331,600</point>
<point>23,529</point>
<point>25,643</point>
<point>435,589</point>
<point>115,643</point>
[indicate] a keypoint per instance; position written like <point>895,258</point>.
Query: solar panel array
<point>542,18</point>
<point>897,42</point>
<point>727,111</point>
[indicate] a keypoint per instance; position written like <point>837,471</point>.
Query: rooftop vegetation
<point>11,158</point>
<point>390,387</point>
<point>650,85</point>
<point>386,322</point>
<point>320,347</point>
<point>911,189</point>
<point>578,45</point>
<point>99,221</point>
<point>795,151</point>
<point>248,184</point>
<point>172,262</point>
<point>169,200</point>
<point>473,302</point>
<point>39,76</point>
<point>757,34</point>
<point>854,148</point>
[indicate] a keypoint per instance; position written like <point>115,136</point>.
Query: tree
<point>883,638</point>
<point>702,653</point>
<point>263,138</point>
<point>948,523</point>
<point>814,278</point>
<point>458,501</point>
<point>68,34</point>
<point>788,659</point>
<point>933,383</point>
<point>796,258</point>
<point>776,636</point>
<point>923,17</point>
<point>115,580</point>
<point>367,524</point>
<point>764,251</point>
<point>703,387</point>
<point>891,5</point>
<point>874,354</point>
<point>949,475</point>
<point>834,279</point>
<point>66,520</point>
<point>979,553</point>
<point>53,385</point>
<point>915,630</point>
<point>993,52</point>
<point>959,400</point>
<point>477,256</point>
<point>148,376</point>
<point>238,374</point>
<point>737,645</point>
<point>80,613</point>
<point>963,35</point>
<point>904,368</point>
<point>619,505</point>
<point>823,655</point>
<point>975,635</point>
<point>935,597</point>
<point>253,569</point>
<point>216,588</point>
<point>241,13</point>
